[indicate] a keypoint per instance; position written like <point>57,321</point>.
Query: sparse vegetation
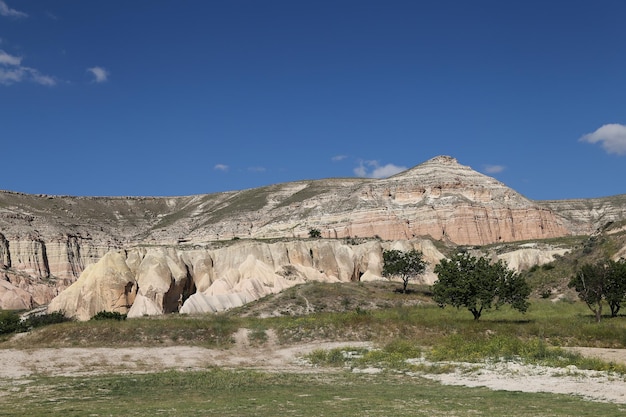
<point>232,393</point>
<point>401,333</point>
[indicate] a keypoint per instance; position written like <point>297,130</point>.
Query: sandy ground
<point>21,364</point>
<point>512,376</point>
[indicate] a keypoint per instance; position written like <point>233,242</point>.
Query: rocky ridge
<point>159,280</point>
<point>46,242</point>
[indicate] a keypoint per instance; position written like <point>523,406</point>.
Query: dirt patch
<point>608,355</point>
<point>17,363</point>
<point>512,376</point>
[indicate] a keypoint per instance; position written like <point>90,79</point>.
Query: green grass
<point>207,331</point>
<point>400,332</point>
<point>227,393</point>
<point>507,348</point>
<point>455,348</point>
<point>558,324</point>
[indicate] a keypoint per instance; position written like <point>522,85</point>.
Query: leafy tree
<point>315,233</point>
<point>589,284</point>
<point>604,280</point>
<point>478,284</point>
<point>404,265</point>
<point>615,285</point>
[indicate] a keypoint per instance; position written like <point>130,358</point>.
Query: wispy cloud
<point>100,74</point>
<point>257,169</point>
<point>338,158</point>
<point>6,59</point>
<point>494,169</point>
<point>612,136</point>
<point>373,169</point>
<point>12,71</point>
<point>221,167</point>
<point>6,11</point>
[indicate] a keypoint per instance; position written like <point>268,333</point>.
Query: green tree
<point>478,285</point>
<point>589,283</point>
<point>315,233</point>
<point>615,285</point>
<point>603,281</point>
<point>404,265</point>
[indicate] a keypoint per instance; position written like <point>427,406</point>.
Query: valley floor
<point>18,364</point>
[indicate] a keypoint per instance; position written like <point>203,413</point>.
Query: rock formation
<point>529,256</point>
<point>154,281</point>
<point>108,285</point>
<point>46,242</point>
<point>585,216</point>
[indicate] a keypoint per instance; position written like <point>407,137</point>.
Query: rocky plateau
<point>154,255</point>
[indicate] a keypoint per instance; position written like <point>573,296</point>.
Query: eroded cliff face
<point>586,216</point>
<point>159,280</point>
<point>46,242</point>
<point>34,271</point>
<point>440,199</point>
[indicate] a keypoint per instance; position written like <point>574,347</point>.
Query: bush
<point>45,319</point>
<point>9,322</point>
<point>109,315</point>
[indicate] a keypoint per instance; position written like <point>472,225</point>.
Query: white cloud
<point>221,167</point>
<point>612,136</point>
<point>372,169</point>
<point>338,158</point>
<point>18,74</point>
<point>12,71</point>
<point>100,74</point>
<point>5,10</point>
<point>494,169</point>
<point>6,59</point>
<point>10,76</point>
<point>40,78</point>
<point>256,169</point>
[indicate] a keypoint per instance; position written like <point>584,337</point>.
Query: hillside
<point>46,242</point>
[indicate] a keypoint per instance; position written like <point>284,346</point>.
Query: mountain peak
<point>440,166</point>
<point>442,159</point>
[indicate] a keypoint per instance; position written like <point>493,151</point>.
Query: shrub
<point>39,320</point>
<point>109,315</point>
<point>9,322</point>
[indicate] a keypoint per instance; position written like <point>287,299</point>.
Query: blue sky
<point>151,97</point>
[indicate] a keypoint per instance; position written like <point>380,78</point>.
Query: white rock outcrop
<point>108,285</point>
<point>154,281</point>
<point>525,258</point>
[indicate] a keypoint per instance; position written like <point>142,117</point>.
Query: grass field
<point>245,393</point>
<point>401,330</point>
